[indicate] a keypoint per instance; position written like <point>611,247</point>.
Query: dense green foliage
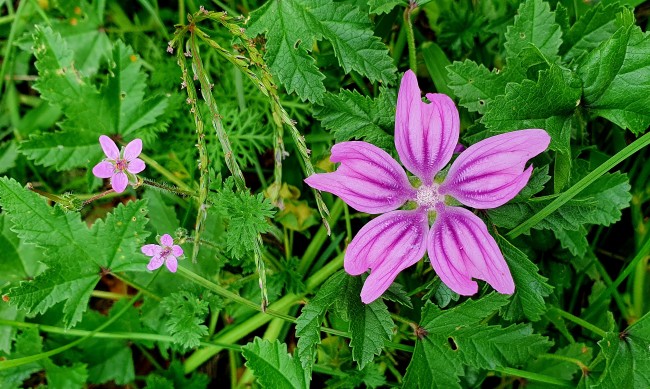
<point>238,102</point>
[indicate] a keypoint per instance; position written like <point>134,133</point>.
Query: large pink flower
<point>118,166</point>
<point>485,175</point>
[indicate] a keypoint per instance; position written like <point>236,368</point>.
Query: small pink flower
<point>485,175</point>
<point>119,166</point>
<point>167,253</point>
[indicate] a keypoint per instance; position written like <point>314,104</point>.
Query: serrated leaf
<point>63,150</point>
<point>65,377</point>
<point>309,322</point>
<point>436,363</point>
<point>74,254</point>
<point>384,6</point>
<point>291,26</point>
<point>119,107</point>
<point>86,36</point>
<point>58,82</point>
<point>600,203</point>
<point>27,343</point>
<point>627,356</point>
<point>21,261</point>
<point>475,85</point>
<point>534,26</point>
<point>616,76</point>
<point>273,366</point>
<point>531,287</point>
<point>370,325</point>
<point>574,241</point>
<point>548,104</point>
<point>594,27</point>
<point>186,314</point>
<point>350,116</point>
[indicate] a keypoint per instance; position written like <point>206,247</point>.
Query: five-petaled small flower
<point>167,252</point>
<point>119,166</point>
<point>485,175</point>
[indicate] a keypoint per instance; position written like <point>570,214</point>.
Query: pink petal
<point>109,147</point>
<point>119,182</point>
<point>425,134</point>
<point>368,179</point>
<point>166,240</point>
<point>133,149</point>
<point>177,250</point>
<point>104,169</point>
<point>155,262</point>
<point>151,249</point>
<point>460,248</point>
<point>387,245</point>
<point>172,263</point>
<point>491,172</point>
<point>135,166</point>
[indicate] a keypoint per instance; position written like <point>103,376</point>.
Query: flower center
<point>165,251</point>
<point>121,164</point>
<point>427,196</point>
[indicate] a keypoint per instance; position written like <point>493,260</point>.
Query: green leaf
<point>433,349</point>
<point>86,37</point>
<point>531,287</point>
<point>475,344</point>
<point>65,377</point>
<point>291,26</point>
<point>616,76</point>
<point>595,26</point>
<point>27,343</point>
<point>123,108</point>
<point>21,261</point>
<point>534,29</point>
<point>561,368</point>
<point>58,80</point>
<point>548,103</point>
<point>349,115</point>
<point>119,107</point>
<point>63,150</point>
<point>186,314</point>
<point>384,6</point>
<point>370,324</point>
<point>600,203</point>
<point>75,255</point>
<point>162,216</point>
<point>574,241</point>
<point>475,85</point>
<point>246,215</point>
<point>309,322</point>
<point>627,356</point>
<point>437,62</point>
<point>273,366</point>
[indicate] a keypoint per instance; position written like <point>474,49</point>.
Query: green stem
<point>172,189</point>
<point>108,295</point>
<point>617,158</point>
<point>107,335</point>
<point>236,333</point>
<point>166,173</point>
<point>575,361</point>
<point>410,37</point>
<point>534,376</point>
<point>37,357</point>
<point>640,255</point>
<point>9,44</point>
<point>581,322</point>
<point>319,238</point>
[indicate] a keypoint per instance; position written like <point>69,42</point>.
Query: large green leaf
<point>75,256</point>
<point>291,26</point>
<point>616,77</point>
<point>273,366</point>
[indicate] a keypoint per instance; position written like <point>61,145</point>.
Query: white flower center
<point>428,197</point>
